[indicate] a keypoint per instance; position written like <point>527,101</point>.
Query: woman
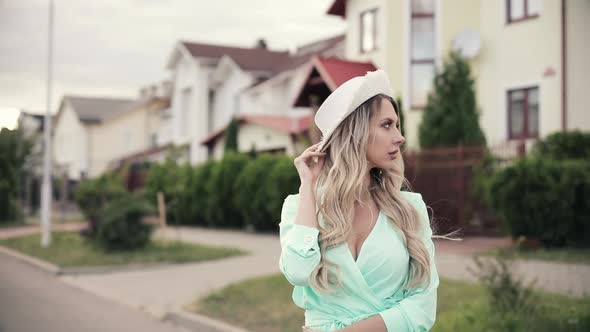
<point>357,249</point>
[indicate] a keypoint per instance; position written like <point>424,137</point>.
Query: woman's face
<point>385,137</point>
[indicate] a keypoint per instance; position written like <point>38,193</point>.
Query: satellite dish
<point>468,43</point>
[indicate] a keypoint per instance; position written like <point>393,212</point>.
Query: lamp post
<point>46,192</point>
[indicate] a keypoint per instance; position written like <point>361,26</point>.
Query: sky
<point>112,48</point>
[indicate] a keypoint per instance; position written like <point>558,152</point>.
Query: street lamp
<point>46,192</point>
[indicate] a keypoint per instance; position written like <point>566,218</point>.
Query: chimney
<point>261,43</point>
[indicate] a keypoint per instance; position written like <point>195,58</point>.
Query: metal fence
<point>444,177</point>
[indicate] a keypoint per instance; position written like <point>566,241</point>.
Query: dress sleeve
<point>300,251</point>
<point>417,311</point>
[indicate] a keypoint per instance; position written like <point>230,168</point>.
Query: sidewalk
<point>172,287</point>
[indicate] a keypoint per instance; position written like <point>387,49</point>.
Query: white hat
<point>346,98</point>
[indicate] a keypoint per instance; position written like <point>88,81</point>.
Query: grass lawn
<point>12,223</point>
<point>265,305</point>
<point>36,221</point>
<point>70,249</point>
<point>567,255</point>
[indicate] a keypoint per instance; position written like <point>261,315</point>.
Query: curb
<point>81,270</point>
<point>35,262</point>
<point>190,321</point>
<point>196,322</point>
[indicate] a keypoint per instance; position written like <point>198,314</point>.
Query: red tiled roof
<point>340,71</point>
<point>333,72</point>
<point>337,8</point>
<point>247,58</point>
<point>283,124</point>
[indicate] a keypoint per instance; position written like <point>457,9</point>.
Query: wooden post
<point>162,210</point>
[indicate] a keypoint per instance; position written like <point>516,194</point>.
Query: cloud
<point>115,47</point>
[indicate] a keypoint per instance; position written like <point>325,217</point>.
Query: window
<point>368,30</point>
<point>520,10</point>
<point>422,51</point>
<point>523,113</point>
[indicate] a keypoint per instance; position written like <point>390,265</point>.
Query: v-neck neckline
<point>364,242</point>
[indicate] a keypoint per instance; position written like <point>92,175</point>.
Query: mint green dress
<point>373,284</point>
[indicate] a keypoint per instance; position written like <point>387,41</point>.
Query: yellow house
<point>529,58</point>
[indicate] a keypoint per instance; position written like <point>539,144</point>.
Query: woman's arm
<point>300,252</point>
<point>372,324</point>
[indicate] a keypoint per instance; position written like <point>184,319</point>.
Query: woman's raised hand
<point>306,164</point>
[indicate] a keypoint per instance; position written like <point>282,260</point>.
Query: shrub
<point>168,179</point>
<point>250,192</point>
<point>282,181</point>
<point>564,145</point>
<point>221,211</point>
<point>192,199</point>
<point>513,302</point>
<point>121,226</point>
<point>544,199</point>
<point>92,195</point>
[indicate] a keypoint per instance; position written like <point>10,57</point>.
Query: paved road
<point>32,300</point>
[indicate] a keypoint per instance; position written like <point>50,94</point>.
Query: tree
<point>14,149</point>
<point>231,142</point>
<point>451,117</point>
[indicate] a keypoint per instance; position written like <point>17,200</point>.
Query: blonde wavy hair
<point>341,184</point>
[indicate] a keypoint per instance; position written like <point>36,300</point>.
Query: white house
<point>207,80</point>
<point>529,57</point>
<point>268,119</point>
<point>79,148</point>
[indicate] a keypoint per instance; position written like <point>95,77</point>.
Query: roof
<point>304,54</point>
<point>96,110</point>
<point>337,8</point>
<point>142,155</point>
<point>321,45</point>
<point>282,123</point>
<point>331,73</point>
<point>255,59</point>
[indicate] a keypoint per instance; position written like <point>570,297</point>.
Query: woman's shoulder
<point>292,199</point>
<point>412,197</point>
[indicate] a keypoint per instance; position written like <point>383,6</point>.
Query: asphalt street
<point>33,300</point>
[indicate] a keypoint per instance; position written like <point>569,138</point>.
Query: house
<point>80,149</point>
<point>529,79</point>
<point>268,121</point>
<point>148,123</point>
<point>206,83</point>
<point>264,134</point>
<point>32,125</point>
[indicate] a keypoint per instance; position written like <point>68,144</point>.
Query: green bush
<point>92,195</point>
<point>250,192</point>
<point>221,211</point>
<point>513,301</point>
<point>168,179</point>
<point>544,199</point>
<point>121,227</point>
<point>283,180</point>
<point>15,162</point>
<point>192,199</point>
<point>564,145</point>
